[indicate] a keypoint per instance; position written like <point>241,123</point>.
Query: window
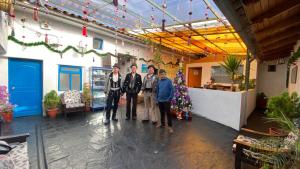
<point>98,43</point>
<point>220,75</point>
<point>69,78</point>
<point>271,68</point>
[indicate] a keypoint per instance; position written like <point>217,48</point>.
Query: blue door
<point>25,86</point>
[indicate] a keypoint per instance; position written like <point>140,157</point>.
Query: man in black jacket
<point>132,86</point>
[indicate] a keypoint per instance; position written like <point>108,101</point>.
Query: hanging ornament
<point>189,40</point>
<point>35,14</point>
<point>84,31</point>
<point>163,25</point>
<point>115,2</point>
<point>93,59</point>
<point>35,11</point>
<point>12,32</point>
<point>46,38</point>
<point>12,11</point>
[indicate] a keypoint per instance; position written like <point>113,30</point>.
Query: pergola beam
<point>279,8</point>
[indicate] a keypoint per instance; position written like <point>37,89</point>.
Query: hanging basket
<point>5,5</point>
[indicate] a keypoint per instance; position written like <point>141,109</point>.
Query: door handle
<point>13,88</point>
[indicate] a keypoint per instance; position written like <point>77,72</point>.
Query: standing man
<point>149,89</point>
<point>132,87</point>
<point>113,89</point>
<point>165,93</point>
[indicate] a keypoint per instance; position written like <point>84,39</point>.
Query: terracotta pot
<point>52,112</point>
<point>7,117</point>
<point>87,108</point>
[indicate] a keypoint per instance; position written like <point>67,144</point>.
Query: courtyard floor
<point>84,142</point>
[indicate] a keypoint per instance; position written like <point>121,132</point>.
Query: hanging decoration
<point>164,6</point>
<point>46,38</point>
<point>116,3</point>
<point>85,18</point>
<point>162,62</point>
<point>36,11</point>
<point>190,13</point>
<point>124,9</point>
<point>61,52</point>
<point>23,19</point>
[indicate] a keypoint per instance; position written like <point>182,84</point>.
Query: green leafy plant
<point>251,85</point>
<point>231,65</point>
<point>87,95</point>
<point>286,104</point>
<point>51,100</point>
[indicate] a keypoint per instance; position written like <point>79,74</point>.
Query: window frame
<point>70,73</point>
<point>100,41</point>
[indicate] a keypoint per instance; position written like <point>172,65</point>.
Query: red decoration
<point>115,2</point>
<point>35,14</point>
<point>84,31</point>
<point>12,12</point>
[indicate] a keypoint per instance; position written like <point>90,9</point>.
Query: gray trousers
<point>151,109</point>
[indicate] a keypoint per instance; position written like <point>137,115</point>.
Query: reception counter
<point>228,108</point>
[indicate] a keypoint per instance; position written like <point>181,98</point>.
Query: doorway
<point>194,77</point>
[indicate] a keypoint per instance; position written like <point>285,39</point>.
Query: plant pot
<point>87,108</point>
<point>262,103</point>
<point>7,117</point>
<point>52,112</point>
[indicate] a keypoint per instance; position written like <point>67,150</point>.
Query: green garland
<point>153,61</point>
<point>69,47</point>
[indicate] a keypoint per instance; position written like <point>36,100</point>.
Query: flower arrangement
<point>6,108</point>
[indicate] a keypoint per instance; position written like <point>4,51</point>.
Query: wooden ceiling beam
<point>285,33</point>
<point>277,9</point>
<point>278,50</point>
<point>278,47</point>
<point>290,38</point>
<point>275,56</point>
<point>280,24</point>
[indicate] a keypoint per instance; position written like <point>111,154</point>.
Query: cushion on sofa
<point>17,158</point>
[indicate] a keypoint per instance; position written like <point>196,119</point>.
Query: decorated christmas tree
<point>181,103</point>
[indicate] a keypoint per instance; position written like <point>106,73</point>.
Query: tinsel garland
<point>69,47</point>
<point>153,61</point>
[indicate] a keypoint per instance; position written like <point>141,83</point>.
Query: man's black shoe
<point>145,121</point>
<point>127,118</point>
<point>115,120</point>
<point>133,118</point>
<point>106,122</point>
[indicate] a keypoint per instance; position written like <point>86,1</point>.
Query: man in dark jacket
<point>113,90</point>
<point>132,86</point>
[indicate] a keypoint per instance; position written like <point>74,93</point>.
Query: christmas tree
<point>181,103</point>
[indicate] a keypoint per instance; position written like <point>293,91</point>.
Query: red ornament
<point>12,12</point>
<point>84,31</point>
<point>115,2</point>
<point>35,14</point>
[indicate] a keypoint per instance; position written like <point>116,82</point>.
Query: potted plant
<point>231,65</point>
<point>51,101</point>
<point>261,101</point>
<point>87,97</point>
<point>6,108</point>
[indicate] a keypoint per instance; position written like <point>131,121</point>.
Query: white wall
<point>225,107</point>
<point>3,32</point>
<point>295,87</point>
<point>271,83</point>
<point>206,70</point>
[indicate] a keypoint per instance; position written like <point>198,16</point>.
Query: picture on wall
<point>144,68</point>
<point>294,75</point>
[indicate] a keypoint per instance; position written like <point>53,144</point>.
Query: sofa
<point>72,101</point>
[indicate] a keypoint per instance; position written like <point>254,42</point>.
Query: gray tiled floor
<point>84,142</point>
